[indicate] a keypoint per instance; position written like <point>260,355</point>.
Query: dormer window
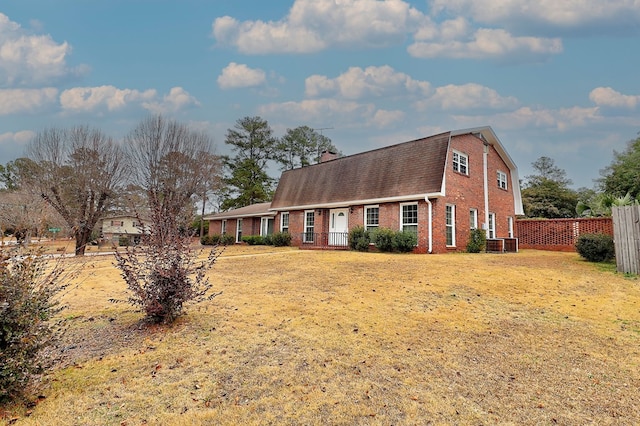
<point>460,163</point>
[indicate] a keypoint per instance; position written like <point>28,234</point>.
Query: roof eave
<point>338,204</point>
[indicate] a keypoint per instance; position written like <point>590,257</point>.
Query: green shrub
<point>253,240</point>
<point>595,247</point>
<point>405,241</point>
<point>477,241</point>
<point>281,239</point>
<point>227,239</point>
<point>383,239</point>
<point>268,240</point>
<point>124,241</point>
<point>359,239</point>
<point>28,290</point>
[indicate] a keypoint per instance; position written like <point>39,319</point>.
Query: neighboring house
<point>255,219</point>
<point>114,227</point>
<point>439,187</point>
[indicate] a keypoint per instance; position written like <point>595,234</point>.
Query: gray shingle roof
<point>409,169</point>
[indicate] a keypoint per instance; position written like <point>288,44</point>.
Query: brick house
<point>439,187</point>
<point>255,219</point>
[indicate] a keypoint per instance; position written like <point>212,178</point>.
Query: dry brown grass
<point>315,338</point>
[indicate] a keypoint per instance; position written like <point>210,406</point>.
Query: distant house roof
<point>254,210</point>
<point>405,171</point>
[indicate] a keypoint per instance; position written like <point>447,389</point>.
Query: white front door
<point>339,227</point>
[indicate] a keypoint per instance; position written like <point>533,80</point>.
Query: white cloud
<point>383,118</point>
<point>333,112</point>
<point>177,100</point>
<point>467,96</point>
<point>240,75</point>
<point>606,96</point>
<point>101,98</point>
<point>611,15</point>
<point>358,83</point>
<point>314,25</point>
<point>486,43</point>
<point>26,100</point>
<point>19,138</point>
<point>526,117</point>
<point>27,59</point>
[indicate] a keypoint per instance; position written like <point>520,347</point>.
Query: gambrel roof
<point>402,172</point>
<point>405,171</point>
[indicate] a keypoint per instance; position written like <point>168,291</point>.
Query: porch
<point>324,240</point>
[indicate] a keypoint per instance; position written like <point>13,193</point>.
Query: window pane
<point>372,217</point>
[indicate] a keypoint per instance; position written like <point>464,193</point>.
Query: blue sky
<point>552,78</point>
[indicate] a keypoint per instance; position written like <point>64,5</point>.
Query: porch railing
<point>334,240</point>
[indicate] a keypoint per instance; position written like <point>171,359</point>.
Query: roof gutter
<point>430,222</point>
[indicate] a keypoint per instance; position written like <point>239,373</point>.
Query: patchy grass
<point>315,338</point>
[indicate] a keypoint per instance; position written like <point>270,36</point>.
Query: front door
<point>338,227</point>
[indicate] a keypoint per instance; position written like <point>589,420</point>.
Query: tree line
<point>547,193</point>
<point>80,175</point>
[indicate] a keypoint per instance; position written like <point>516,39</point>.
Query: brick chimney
<point>327,156</point>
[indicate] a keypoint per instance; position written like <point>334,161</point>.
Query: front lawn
<point>319,337</point>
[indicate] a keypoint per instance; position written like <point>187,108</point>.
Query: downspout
<point>485,166</point>
<point>430,222</point>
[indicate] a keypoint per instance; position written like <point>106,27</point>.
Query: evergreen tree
<point>253,146</point>
<point>547,193</point>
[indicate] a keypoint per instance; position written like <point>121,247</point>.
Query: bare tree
<point>166,158</point>
<point>162,274</point>
<point>78,172</point>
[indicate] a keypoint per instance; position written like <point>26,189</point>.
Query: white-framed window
<point>450,224</point>
<point>223,229</point>
<point>502,180</point>
<point>309,222</point>
<point>371,217</point>
<point>284,222</point>
<point>409,217</point>
<point>492,225</point>
<point>460,162</point>
<point>510,225</point>
<point>473,218</point>
<point>238,230</point>
<point>266,226</point>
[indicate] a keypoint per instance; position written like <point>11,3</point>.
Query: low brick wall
<point>559,234</point>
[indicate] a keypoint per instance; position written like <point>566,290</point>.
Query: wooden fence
<point>559,234</point>
<point>626,235</point>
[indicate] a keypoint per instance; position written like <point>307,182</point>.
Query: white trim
<point>414,197</point>
<point>500,178</point>
<point>417,219</point>
<point>238,230</point>
<point>430,223</point>
<point>460,155</point>
<point>452,225</point>
<point>473,225</point>
<point>490,229</point>
<point>304,226</point>
<point>364,219</point>
<point>223,226</point>
<point>281,221</point>
<point>510,224</point>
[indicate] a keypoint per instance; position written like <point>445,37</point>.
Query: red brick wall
<point>250,226</point>
<point>559,234</point>
<point>466,192</point>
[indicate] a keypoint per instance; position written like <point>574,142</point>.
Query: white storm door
<point>338,227</point>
